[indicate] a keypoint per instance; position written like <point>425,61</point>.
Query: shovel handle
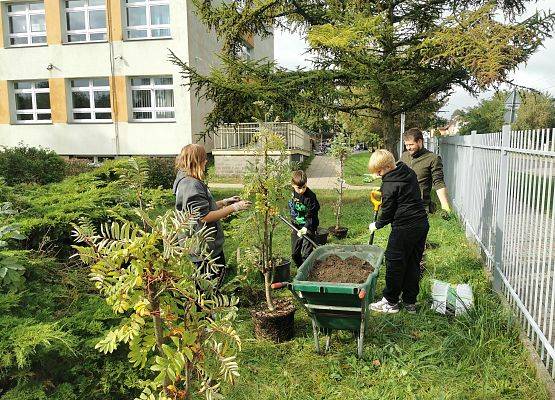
<point>290,225</point>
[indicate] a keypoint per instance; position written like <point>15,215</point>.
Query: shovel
<point>290,225</point>
<point>376,199</point>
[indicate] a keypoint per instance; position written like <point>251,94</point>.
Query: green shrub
<point>161,172</point>
<point>76,166</point>
<point>23,164</point>
<point>47,212</point>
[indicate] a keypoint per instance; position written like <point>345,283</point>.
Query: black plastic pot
<point>322,236</point>
<point>277,325</point>
<point>339,233</point>
<point>282,272</point>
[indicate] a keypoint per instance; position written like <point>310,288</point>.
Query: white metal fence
<point>502,186</point>
<point>240,136</point>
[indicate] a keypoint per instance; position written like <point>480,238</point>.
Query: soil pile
<point>335,269</point>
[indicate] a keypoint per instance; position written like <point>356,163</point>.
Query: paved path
<point>322,174</point>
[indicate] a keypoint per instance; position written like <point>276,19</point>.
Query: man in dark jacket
<point>402,207</point>
<point>428,168</point>
<point>304,208</point>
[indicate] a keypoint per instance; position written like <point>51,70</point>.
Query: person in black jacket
<point>303,207</point>
<point>402,207</point>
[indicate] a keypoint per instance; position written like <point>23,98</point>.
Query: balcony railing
<point>241,136</point>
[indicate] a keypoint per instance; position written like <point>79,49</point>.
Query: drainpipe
<point>113,89</point>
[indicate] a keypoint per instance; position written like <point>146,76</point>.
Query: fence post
<point>469,182</point>
<point>501,205</point>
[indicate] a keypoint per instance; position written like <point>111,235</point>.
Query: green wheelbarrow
<point>337,306</point>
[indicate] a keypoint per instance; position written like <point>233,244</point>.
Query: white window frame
<point>153,109</point>
<point>92,109</point>
<point>29,35</point>
<point>148,27</point>
<point>87,31</point>
<point>34,111</point>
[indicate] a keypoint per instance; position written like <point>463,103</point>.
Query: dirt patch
<point>335,269</point>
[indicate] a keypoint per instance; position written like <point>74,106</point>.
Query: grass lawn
<point>423,356</point>
<point>355,168</point>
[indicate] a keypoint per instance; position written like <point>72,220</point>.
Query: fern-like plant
<point>174,322</point>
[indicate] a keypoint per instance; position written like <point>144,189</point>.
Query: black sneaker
<point>411,308</point>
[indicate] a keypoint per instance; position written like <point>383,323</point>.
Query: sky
<point>538,72</point>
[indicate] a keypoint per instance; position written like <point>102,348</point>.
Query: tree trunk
<point>340,200</point>
<point>389,134</point>
<point>158,330</point>
<point>267,285</point>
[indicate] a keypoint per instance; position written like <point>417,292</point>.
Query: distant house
<point>453,127</point>
<point>92,77</point>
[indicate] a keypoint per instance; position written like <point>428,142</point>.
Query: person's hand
<point>302,232</point>
<point>241,205</point>
<point>372,227</point>
<point>230,200</point>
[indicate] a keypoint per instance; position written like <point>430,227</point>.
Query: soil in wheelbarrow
<point>334,269</point>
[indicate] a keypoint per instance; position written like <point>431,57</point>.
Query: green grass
<point>356,167</point>
<point>423,356</point>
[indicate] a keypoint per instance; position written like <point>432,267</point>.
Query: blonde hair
<point>191,160</point>
<point>380,159</point>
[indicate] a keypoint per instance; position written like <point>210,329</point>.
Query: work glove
<point>230,200</point>
<point>241,205</point>
<point>302,232</point>
<point>446,215</point>
<point>372,227</point>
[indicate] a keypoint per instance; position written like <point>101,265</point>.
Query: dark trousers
<point>402,256</point>
<point>221,272</point>
<point>300,247</point>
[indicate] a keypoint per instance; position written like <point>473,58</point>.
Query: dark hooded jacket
<point>192,194</point>
<point>402,204</point>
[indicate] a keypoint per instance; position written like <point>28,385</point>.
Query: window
<point>147,19</point>
<point>26,24</point>
<point>86,20</point>
<point>245,51</point>
<point>152,98</point>
<point>91,100</point>
<point>32,101</point>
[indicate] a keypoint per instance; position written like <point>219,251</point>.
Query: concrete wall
<point>234,163</point>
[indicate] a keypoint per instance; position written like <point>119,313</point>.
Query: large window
<point>26,24</point>
<point>91,100</point>
<point>85,20</point>
<point>147,19</point>
<point>152,98</point>
<point>32,101</point>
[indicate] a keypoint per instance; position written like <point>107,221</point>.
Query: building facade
<point>92,77</point>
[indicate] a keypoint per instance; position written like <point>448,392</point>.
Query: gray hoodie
<point>191,193</point>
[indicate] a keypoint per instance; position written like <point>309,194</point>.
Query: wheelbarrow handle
<point>279,285</point>
<point>290,225</point>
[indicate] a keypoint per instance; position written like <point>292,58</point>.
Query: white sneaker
<point>385,306</point>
